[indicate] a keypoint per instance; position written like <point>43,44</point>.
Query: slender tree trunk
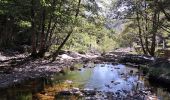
<point>49,25</point>
<point>154,30</point>
<point>146,31</point>
<point>49,40</point>
<point>34,52</point>
<point>48,31</point>
<point>42,38</point>
<point>140,33</point>
<point>61,45</point>
<point>147,45</point>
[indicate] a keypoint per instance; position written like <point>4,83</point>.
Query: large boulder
<point>137,59</point>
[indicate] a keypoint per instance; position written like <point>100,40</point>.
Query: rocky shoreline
<point>39,68</point>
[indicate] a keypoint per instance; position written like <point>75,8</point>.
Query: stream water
<point>94,82</point>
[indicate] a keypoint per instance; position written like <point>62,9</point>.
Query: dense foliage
<point>148,23</point>
<point>46,25</point>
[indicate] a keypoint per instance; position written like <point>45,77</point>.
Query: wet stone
<point>112,81</point>
<point>89,92</point>
<point>131,71</point>
<point>79,69</point>
<point>72,68</point>
<point>102,65</point>
<point>85,65</point>
<point>66,92</point>
<point>117,68</point>
<point>116,83</point>
<point>68,81</point>
<point>74,89</point>
<point>62,71</point>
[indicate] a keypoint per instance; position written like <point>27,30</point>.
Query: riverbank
<point>156,69</point>
<point>16,69</point>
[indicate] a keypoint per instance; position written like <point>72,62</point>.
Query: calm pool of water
<point>99,77</point>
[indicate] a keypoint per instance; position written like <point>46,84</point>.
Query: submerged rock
<point>79,69</point>
<point>131,71</point>
<point>68,81</point>
<point>85,65</point>
<point>116,83</point>
<point>72,68</point>
<point>102,65</point>
<point>116,68</point>
<point>89,92</point>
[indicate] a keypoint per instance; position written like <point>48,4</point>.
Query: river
<point>91,82</point>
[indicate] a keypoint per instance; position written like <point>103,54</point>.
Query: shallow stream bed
<point>89,82</point>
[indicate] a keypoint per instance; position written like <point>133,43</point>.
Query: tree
<point>146,15</point>
<point>69,33</point>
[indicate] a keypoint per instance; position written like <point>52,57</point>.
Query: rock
<point>125,91</point>
<point>62,71</point>
<point>65,92</point>
<point>74,89</point>
<point>65,56</point>
<point>108,86</point>
<point>122,74</point>
<point>90,98</point>
<point>78,93</point>
<point>72,68</point>
<point>117,68</point>
<point>131,71</point>
<point>102,65</point>
<point>79,69</point>
<point>114,63</point>
<point>89,92</point>
<point>112,81</point>
<point>117,93</point>
<point>152,97</point>
<point>85,65</point>
<point>68,81</point>
<point>116,83</point>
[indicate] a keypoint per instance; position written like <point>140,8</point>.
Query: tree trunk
<point>33,37</point>
<point>61,45</point>
<point>154,30</point>
<point>146,31</point>
<point>42,38</point>
<point>50,28</point>
<point>140,33</point>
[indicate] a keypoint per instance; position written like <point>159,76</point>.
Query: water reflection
<point>102,77</point>
<point>111,78</point>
